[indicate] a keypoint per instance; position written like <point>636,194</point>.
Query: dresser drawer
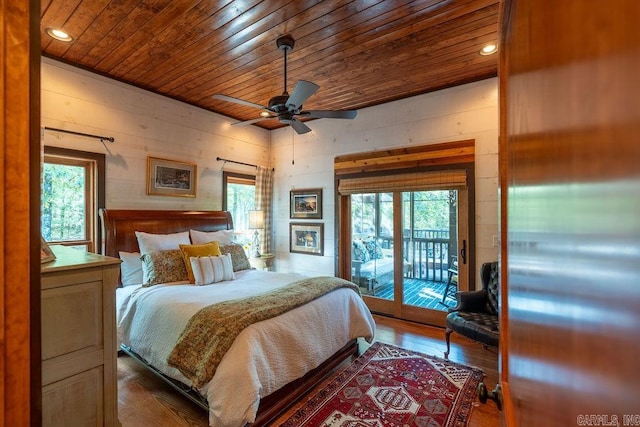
<point>74,401</point>
<point>71,319</point>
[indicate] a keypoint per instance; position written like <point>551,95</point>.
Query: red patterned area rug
<point>393,387</point>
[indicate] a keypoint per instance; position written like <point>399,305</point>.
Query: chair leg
<point>447,337</point>
<point>446,291</point>
<point>449,283</point>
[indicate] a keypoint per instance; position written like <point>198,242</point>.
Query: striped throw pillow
<point>212,269</point>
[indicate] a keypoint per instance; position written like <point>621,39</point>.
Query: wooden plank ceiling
<point>361,53</point>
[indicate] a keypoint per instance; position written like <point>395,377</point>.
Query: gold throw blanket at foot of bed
<point>212,330</point>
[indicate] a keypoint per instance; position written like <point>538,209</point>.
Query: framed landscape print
<point>306,204</point>
<point>306,238</point>
<point>171,178</point>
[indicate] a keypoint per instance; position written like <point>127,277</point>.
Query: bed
<point>270,364</point>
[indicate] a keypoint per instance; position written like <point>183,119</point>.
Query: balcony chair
<point>475,316</point>
<point>452,281</point>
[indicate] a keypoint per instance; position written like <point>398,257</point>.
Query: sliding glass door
<point>405,226</point>
<point>406,249</point>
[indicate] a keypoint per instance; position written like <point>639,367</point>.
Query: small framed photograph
<point>46,254</point>
<point>306,238</point>
<point>306,204</point>
<point>171,178</point>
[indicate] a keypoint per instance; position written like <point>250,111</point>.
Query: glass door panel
<point>372,259</point>
<point>430,236</point>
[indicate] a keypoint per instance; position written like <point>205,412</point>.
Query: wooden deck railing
<point>428,252</point>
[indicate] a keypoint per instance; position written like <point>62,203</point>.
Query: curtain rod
<point>101,138</point>
<point>220,159</point>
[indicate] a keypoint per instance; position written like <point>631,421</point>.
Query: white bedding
<point>263,358</point>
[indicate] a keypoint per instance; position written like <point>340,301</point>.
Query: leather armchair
<point>476,314</point>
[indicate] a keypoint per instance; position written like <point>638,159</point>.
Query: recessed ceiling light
<point>265,114</point>
<point>58,34</point>
<point>489,49</point>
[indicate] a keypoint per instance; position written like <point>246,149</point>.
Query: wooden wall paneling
<point>571,193</point>
<point>19,221</point>
<point>94,104</point>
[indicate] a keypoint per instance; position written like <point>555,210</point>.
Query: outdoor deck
<point>427,254</point>
<point>420,293</point>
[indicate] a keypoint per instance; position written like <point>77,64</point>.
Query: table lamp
<point>256,222</point>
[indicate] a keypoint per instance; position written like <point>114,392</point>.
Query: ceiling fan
<point>287,108</point>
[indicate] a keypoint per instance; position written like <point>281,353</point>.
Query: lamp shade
<point>256,220</point>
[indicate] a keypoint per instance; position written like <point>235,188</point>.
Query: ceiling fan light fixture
<point>489,49</point>
<point>58,34</point>
<point>285,43</point>
<point>286,107</point>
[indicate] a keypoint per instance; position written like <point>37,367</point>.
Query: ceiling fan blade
<point>239,101</point>
<point>299,127</point>
<point>329,114</point>
<point>301,93</point>
<point>248,122</point>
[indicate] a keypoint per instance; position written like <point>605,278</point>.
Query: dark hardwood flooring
<point>145,400</point>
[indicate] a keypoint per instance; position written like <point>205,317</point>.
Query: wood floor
<point>145,400</point>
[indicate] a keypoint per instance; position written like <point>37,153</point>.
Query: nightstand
<point>264,261</point>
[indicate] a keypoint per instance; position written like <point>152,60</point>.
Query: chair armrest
<point>471,301</point>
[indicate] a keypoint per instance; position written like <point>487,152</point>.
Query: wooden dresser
<point>79,354</point>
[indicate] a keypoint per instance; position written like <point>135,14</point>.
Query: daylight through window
<point>69,199</point>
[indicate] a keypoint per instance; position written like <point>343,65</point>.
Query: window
<point>238,197</point>
<point>72,193</point>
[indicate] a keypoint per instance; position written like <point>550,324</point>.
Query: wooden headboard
<point>119,225</point>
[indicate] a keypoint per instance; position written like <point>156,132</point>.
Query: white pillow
<point>131,268</point>
<point>148,242</point>
<point>224,237</point>
<point>212,269</point>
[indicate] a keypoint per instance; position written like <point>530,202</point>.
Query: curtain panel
<point>264,197</point>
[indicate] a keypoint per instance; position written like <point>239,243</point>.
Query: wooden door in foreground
<point>570,204</point>
<point>19,213</point>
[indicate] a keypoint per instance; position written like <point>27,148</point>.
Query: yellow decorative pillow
<point>188,251</point>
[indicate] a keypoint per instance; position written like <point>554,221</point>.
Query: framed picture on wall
<point>306,238</point>
<point>306,204</point>
<point>171,178</point>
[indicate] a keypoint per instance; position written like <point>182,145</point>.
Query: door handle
<point>463,252</point>
<point>495,395</point>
